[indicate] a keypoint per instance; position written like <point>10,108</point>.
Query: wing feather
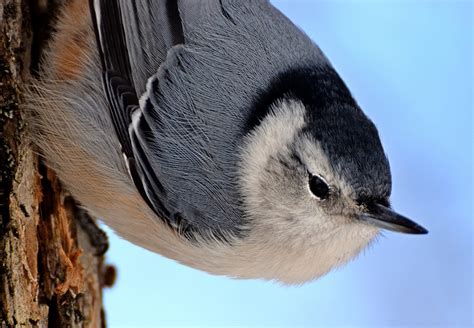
<point>123,101</point>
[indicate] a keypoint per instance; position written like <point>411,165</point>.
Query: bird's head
<point>316,182</point>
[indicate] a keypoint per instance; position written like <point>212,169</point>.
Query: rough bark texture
<point>51,252</point>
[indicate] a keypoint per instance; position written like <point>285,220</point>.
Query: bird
<point>215,133</point>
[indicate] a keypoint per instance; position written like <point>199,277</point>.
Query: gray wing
<point>151,28</point>
<point>133,40</point>
<point>198,103</point>
<point>118,79</point>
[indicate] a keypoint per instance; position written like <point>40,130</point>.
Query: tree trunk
<point>51,251</point>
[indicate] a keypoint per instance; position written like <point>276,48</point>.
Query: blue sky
<point>409,66</point>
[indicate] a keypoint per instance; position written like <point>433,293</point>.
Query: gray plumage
<point>215,133</point>
<point>197,114</point>
<point>151,29</point>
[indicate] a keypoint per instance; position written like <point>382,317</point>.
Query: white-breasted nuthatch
<point>213,132</point>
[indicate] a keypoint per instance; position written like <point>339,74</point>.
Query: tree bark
<point>51,252</point>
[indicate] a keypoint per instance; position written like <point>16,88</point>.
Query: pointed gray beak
<point>385,218</point>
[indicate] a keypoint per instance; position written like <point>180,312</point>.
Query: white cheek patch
<point>276,132</point>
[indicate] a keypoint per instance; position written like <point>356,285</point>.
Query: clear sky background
<point>409,64</point>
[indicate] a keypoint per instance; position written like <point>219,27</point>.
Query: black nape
<point>315,86</point>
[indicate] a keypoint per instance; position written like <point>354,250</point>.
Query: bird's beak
<point>385,218</point>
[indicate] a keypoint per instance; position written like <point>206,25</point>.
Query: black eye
<point>318,187</point>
